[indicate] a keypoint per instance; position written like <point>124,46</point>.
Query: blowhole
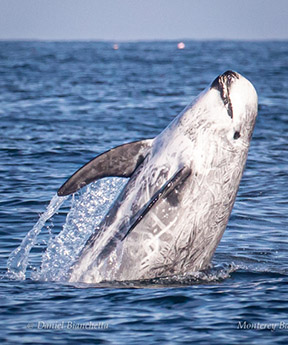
<point>236,135</point>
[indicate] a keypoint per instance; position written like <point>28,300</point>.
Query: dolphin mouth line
<point>222,84</point>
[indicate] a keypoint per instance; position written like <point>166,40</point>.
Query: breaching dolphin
<point>171,215</point>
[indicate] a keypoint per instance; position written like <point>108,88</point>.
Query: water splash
<point>19,258</point>
<point>85,214</point>
<point>87,211</point>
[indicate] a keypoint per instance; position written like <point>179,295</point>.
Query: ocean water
<point>63,103</point>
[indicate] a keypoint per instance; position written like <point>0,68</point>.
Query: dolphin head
<point>237,100</point>
<point>220,120</point>
<point>226,109</point>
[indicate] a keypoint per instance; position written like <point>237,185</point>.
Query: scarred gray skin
<point>209,139</point>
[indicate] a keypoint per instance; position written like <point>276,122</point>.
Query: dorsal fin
<point>120,161</point>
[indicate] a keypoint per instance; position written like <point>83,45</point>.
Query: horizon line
<point>143,40</point>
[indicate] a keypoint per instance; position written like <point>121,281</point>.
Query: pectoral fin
<point>121,161</point>
<point>164,192</point>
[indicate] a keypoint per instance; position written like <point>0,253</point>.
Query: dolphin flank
<point>172,213</point>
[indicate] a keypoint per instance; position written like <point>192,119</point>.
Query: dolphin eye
<point>236,135</point>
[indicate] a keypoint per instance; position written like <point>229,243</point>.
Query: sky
<point>135,20</point>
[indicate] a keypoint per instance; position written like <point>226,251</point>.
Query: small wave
<point>212,275</point>
<point>215,274</point>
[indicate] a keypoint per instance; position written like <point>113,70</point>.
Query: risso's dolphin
<point>172,213</point>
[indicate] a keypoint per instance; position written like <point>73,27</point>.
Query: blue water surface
<point>61,104</point>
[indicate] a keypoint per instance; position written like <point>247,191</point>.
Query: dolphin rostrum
<point>171,215</point>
